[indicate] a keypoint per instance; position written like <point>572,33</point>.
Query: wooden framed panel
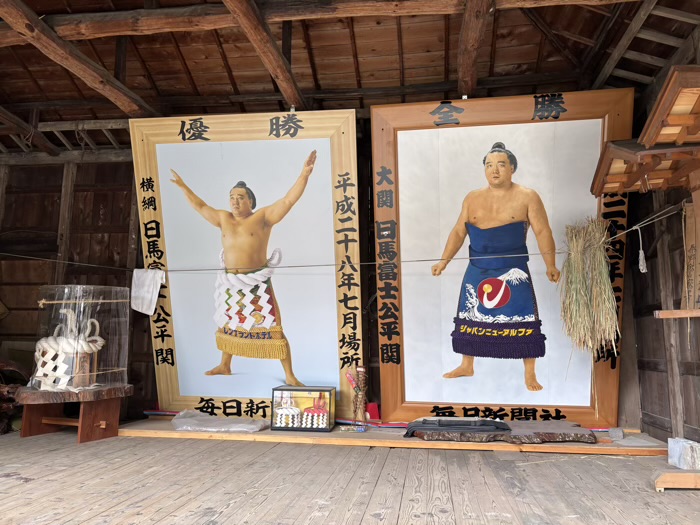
<point>675,117</point>
<point>316,285</point>
<point>401,185</point>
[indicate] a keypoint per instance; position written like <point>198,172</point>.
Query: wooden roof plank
<point>36,32</point>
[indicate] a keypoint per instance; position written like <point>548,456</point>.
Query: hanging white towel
<point>145,286</point>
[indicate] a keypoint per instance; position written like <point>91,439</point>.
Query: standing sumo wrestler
<point>497,310</point>
<point>247,314</point>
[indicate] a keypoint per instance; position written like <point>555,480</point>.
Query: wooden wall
<point>660,344</point>
<point>100,232</point>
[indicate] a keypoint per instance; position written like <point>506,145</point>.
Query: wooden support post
<point>670,326</point>
<point>4,177</point>
<point>474,20</point>
<point>64,219</point>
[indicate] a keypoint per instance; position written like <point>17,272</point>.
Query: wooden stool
<point>99,411</point>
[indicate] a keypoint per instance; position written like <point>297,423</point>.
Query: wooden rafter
<point>36,32</point>
<point>204,17</point>
<point>258,33</point>
<point>227,68</point>
<point>355,58</point>
<point>631,32</point>
<point>685,170</point>
<point>646,168</point>
<point>474,22</point>
<point>601,37</point>
<point>675,14</point>
<point>553,39</point>
<point>20,126</point>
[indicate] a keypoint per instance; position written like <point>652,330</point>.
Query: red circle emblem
<point>493,293</point>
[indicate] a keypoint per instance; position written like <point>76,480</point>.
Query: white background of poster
<point>437,168</point>
<point>306,296</point>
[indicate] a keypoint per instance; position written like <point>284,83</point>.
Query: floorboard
<point>51,479</point>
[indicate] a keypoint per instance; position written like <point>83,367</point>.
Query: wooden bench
<point>99,411</point>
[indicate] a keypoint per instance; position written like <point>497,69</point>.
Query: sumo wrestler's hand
<point>177,180</point>
<point>553,274</point>
<point>438,268</point>
<point>309,164</point>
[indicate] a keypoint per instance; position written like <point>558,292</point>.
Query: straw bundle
<point>588,306</point>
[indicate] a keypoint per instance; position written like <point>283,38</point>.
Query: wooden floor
<point>51,480</point>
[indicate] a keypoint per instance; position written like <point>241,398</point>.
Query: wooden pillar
<point>4,177</point>
<point>64,220</point>
<point>671,336</point>
<point>131,256</point>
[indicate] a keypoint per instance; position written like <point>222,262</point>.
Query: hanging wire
<point>663,214</point>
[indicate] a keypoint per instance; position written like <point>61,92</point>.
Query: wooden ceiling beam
<point>258,33</point>
<point>204,17</point>
<point>642,13</point>
<point>37,137</point>
<point>77,156</point>
<point>36,32</point>
<point>474,21</point>
<point>541,24</point>
<point>524,80</point>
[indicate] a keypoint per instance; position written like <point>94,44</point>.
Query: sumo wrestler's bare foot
<point>223,369</point>
<point>530,377</point>
<point>289,377</point>
<point>466,369</point>
<point>219,370</point>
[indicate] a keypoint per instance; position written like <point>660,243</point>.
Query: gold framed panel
<point>339,127</point>
<point>614,108</point>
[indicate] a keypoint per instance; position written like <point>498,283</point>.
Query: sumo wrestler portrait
<point>497,313</point>
<point>246,311</point>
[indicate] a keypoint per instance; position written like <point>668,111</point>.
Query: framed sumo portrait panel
<point>253,218</point>
<point>468,301</point>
